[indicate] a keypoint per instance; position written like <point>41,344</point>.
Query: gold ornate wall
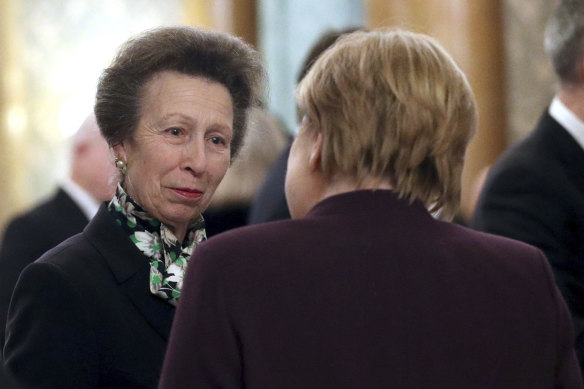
<point>472,32</point>
<point>498,44</point>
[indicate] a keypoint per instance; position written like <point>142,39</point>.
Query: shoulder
<point>251,242</point>
<point>535,159</point>
<point>493,252</point>
<point>32,219</point>
<point>243,237</point>
<point>47,224</point>
<point>47,209</point>
<point>75,257</point>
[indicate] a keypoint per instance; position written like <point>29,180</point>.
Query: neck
<point>179,233</point>
<point>342,185</point>
<point>572,97</point>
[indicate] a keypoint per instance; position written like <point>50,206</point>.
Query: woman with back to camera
<point>364,288</point>
<point>96,310</point>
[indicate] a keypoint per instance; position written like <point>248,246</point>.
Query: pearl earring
<point>121,166</point>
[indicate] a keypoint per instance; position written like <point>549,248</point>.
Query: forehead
<point>174,90</point>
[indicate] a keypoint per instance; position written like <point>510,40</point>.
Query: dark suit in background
<point>368,291</point>
<point>88,301</point>
<point>270,202</point>
<point>28,236</point>
<point>535,193</point>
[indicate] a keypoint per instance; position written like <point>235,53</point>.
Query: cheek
<point>218,171</point>
<point>290,188</point>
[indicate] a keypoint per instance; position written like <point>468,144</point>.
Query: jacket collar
<point>361,203</point>
<point>555,141</point>
<point>130,268</point>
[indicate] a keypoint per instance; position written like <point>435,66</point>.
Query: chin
<point>180,216</point>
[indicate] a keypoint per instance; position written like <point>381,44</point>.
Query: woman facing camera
<point>96,311</point>
<point>364,288</point>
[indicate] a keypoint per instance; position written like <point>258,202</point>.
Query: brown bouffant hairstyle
<point>392,104</point>
<point>215,56</point>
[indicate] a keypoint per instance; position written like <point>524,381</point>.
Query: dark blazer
<point>82,316</point>
<point>368,291</point>
<point>270,202</point>
<point>26,238</point>
<point>535,193</point>
<point>29,235</point>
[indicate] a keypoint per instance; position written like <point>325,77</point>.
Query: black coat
<point>26,238</point>
<point>82,316</point>
<point>535,193</point>
<point>270,201</point>
<point>368,291</point>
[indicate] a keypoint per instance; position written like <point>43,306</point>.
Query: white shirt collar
<point>81,197</point>
<point>568,120</point>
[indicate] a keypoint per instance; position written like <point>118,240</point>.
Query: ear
<point>119,151</point>
<point>81,148</point>
<point>315,151</point>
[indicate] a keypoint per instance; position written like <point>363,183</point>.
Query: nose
<point>194,158</point>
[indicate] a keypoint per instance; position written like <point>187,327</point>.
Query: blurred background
<point>52,52</point>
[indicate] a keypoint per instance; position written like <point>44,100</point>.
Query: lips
<point>189,193</point>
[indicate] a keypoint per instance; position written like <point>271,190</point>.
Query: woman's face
<point>180,151</point>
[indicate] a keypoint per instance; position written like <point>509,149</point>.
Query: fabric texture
<point>535,194</point>
<point>28,236</point>
<point>82,316</point>
<point>25,239</point>
<point>369,291</point>
<point>270,202</point>
<point>168,257</point>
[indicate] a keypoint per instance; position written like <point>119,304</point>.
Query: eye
<point>174,131</point>
<point>217,140</point>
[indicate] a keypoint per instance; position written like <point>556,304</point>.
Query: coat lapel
<point>561,145</point>
<point>131,270</point>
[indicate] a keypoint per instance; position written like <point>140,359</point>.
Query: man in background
<point>535,191</point>
<point>65,214</point>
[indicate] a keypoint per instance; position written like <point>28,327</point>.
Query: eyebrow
<point>193,121</point>
<point>179,115</point>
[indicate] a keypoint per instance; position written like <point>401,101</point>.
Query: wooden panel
<point>471,31</point>
<point>237,17</point>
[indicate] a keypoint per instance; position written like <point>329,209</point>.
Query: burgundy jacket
<point>368,291</point>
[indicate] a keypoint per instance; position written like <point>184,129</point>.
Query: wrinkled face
<point>300,186</point>
<point>180,151</point>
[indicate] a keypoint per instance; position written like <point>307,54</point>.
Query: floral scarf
<point>168,258</point>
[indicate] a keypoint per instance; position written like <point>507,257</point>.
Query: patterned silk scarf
<point>168,258</point>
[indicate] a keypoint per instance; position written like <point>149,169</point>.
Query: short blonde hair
<point>392,104</point>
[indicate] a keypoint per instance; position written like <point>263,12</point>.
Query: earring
<point>120,165</point>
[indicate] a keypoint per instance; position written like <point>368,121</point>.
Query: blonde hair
<point>392,104</point>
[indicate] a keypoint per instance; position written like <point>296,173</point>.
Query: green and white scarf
<point>168,257</point>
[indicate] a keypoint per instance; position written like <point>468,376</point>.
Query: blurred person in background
<point>269,203</point>
<point>535,191</point>
<point>265,139</point>
<point>364,288</point>
<point>96,311</point>
<point>28,236</point>
<point>66,213</point>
